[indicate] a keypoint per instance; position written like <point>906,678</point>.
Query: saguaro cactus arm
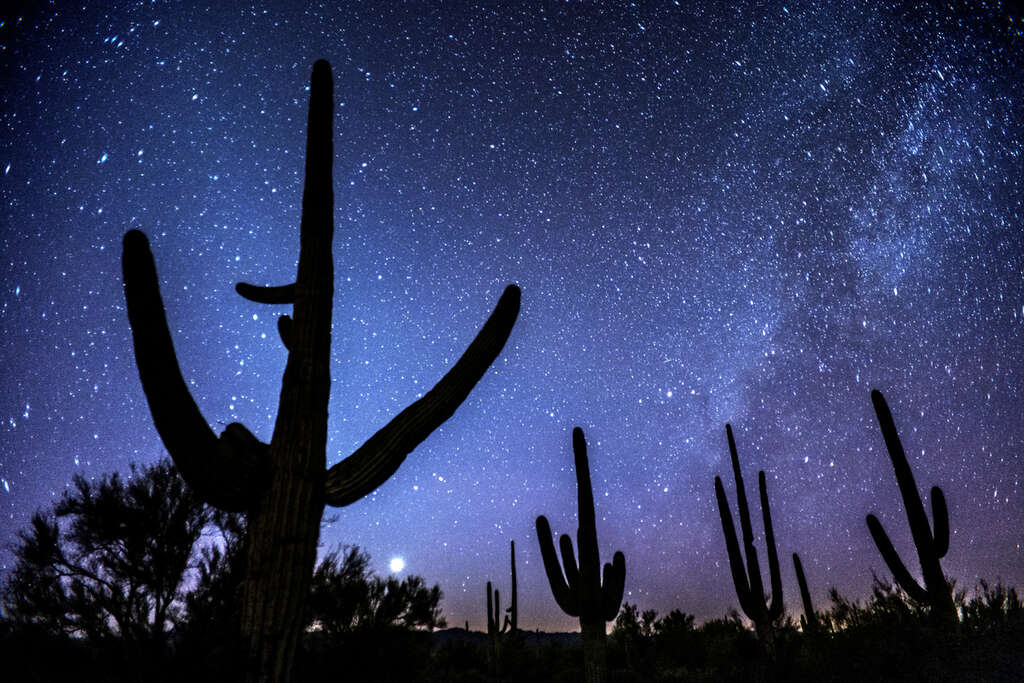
<point>565,597</point>
<point>809,620</point>
<point>614,583</point>
<point>376,460</point>
<point>899,570</point>
<point>229,472</point>
<point>732,547</point>
<point>774,573</point>
<point>283,294</point>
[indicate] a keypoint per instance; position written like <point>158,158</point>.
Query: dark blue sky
<point>715,215</point>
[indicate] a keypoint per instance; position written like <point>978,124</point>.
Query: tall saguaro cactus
<point>580,591</point>
<point>931,546</point>
<point>283,486</point>
<point>749,588</point>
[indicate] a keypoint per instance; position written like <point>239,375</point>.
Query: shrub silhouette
<point>579,591</point>
<point>106,570</point>
<point>283,486</point>
<point>347,596</point>
<point>117,568</point>
<point>936,593</point>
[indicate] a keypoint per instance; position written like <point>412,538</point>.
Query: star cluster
<point>743,215</point>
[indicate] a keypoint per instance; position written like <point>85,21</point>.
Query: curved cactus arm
<point>228,473</point>
<point>808,620</point>
<point>896,566</point>
<point>919,526</point>
<point>613,586</point>
<point>566,598</point>
<point>775,575</point>
<point>572,572</point>
<point>736,566</point>
<point>283,294</point>
<point>376,460</point>
<point>940,517</point>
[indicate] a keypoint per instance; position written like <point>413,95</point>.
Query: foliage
<point>110,559</point>
<point>347,596</point>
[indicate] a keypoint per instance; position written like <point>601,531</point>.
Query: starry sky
<point>751,215</point>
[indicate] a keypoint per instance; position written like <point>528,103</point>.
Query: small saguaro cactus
<point>809,619</point>
<point>749,588</point>
<point>931,546</point>
<point>495,628</point>
<point>283,486</point>
<point>579,591</point>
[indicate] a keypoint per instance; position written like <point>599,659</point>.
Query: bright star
<point>396,565</point>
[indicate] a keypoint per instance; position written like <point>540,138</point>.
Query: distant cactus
<point>495,627</point>
<point>284,485</point>
<point>749,588</point>
<point>579,591</point>
<point>809,619</point>
<point>936,594</point>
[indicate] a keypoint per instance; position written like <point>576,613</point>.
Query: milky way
<point>753,217</point>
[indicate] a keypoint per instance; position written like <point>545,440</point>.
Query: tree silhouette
<point>110,561</point>
<point>347,596</point>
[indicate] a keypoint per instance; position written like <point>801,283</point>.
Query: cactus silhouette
<point>579,591</point>
<point>495,627</point>
<point>936,594</point>
<point>809,619</point>
<point>494,624</point>
<point>749,588</point>
<point>283,486</point>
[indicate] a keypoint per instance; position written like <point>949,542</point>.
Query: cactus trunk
<point>284,529</point>
<point>595,650</point>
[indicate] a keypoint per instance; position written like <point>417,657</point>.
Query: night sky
<point>751,216</point>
